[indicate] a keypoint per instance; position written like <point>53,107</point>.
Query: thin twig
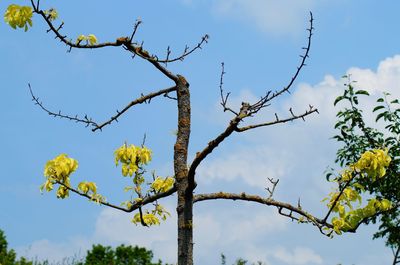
<point>224,99</point>
<point>270,202</point>
<point>86,120</point>
<point>278,120</point>
<point>186,51</point>
<point>263,102</point>
<point>142,99</point>
<point>272,190</point>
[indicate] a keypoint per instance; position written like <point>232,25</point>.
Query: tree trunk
<point>185,194</point>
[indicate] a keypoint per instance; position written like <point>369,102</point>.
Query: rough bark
<point>185,194</point>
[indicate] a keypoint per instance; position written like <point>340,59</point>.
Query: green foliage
<point>239,261</point>
<point>122,255</point>
<point>357,138</point>
<point>98,255</point>
<point>8,257</point>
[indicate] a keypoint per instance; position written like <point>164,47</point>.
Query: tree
<point>148,191</point>
<point>122,255</point>
<point>357,138</point>
<point>8,257</point>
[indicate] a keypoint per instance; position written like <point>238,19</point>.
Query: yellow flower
<point>144,155</point>
<point>338,224</point>
<point>148,219</point>
<point>80,39</point>
<point>48,185</point>
<point>60,167</point>
<point>162,185</point>
<point>18,16</point>
<point>385,205</point>
<point>62,192</point>
<point>347,175</point>
<point>97,198</point>
<point>160,211</point>
<point>85,187</point>
<point>351,194</point>
<point>373,163</point>
<point>51,14</point>
<point>92,39</point>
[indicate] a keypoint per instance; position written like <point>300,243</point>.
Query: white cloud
<point>299,256</point>
<point>73,248</point>
<point>253,166</point>
<point>277,17</point>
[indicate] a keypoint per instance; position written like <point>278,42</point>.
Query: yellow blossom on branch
<point>60,167</point>
<point>372,164</point>
<point>86,187</point>
<point>51,14</point>
<point>163,184</point>
<point>90,39</point>
<point>148,219</point>
<point>18,16</point>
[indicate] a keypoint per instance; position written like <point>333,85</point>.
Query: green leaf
<point>339,123</point>
<point>378,108</point>
<point>380,100</point>
<point>338,99</point>
<point>362,92</point>
<point>338,138</point>
<point>395,101</point>
<point>379,116</point>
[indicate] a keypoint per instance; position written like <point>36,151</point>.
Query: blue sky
<point>260,42</point>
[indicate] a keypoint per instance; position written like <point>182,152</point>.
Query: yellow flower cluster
<point>87,187</point>
<point>57,171</point>
<point>90,39</point>
<point>131,157</point>
<point>350,220</point>
<point>347,197</point>
<point>163,184</point>
<point>372,164</point>
<point>18,16</point>
<point>148,218</point>
<point>51,14</point>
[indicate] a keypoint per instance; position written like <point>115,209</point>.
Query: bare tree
<point>184,172</point>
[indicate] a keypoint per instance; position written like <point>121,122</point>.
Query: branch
<point>139,51</point>
<point>122,41</point>
<point>63,38</point>
<point>135,205</point>
<point>200,156</point>
<point>90,198</point>
<point>278,120</point>
<point>152,198</point>
<point>142,99</point>
<point>224,99</point>
<point>270,202</point>
<point>396,255</point>
<point>263,102</point>
<point>88,121</point>
<point>186,51</point>
<point>272,190</point>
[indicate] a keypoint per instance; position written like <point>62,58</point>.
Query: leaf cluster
<point>356,138</point>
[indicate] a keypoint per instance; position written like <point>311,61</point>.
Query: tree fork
<point>185,193</point>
